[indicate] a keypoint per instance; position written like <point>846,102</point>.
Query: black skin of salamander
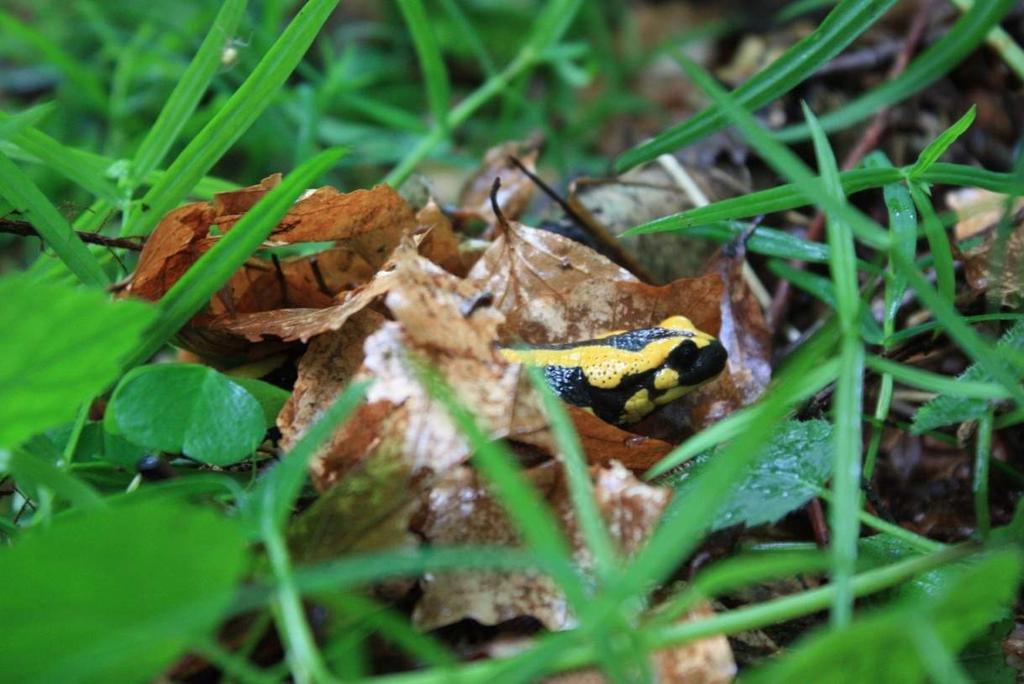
<point>694,365</point>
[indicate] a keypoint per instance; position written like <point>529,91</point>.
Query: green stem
<point>981,462</point>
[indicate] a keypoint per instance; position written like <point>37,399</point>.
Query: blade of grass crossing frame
<point>980,350</point>
<point>581,489</point>
<point>982,455</point>
<point>840,28</point>
<point>194,289</point>
<point>81,168</point>
<point>182,101</point>
<point>847,398</point>
<point>936,148</point>
<point>527,511</point>
<point>932,64</point>
<point>790,196</point>
<point>431,61</point>
<point>938,243</point>
<point>14,123</point>
<point>553,21</point>
<point>18,189</point>
<point>243,107</point>
<point>285,480</point>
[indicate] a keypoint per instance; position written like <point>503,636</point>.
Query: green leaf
<point>60,347</point>
<point>881,647</point>
<point>936,148</point>
<point>840,28</point>
<point>188,409</point>
<point>948,409</point>
<point>236,116</point>
<point>270,397</point>
<point>932,64</point>
<point>117,594</point>
<point>784,476</point>
<point>29,200</point>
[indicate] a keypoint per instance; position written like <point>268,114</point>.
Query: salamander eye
<point>683,356</point>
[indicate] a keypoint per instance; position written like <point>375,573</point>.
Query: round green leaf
<point>188,409</point>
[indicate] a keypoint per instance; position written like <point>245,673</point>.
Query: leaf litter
<point>357,285</point>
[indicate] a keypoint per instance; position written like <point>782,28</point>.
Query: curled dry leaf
<point>460,510</point>
<point>516,187</point>
<point>364,225</point>
<point>994,265</point>
<point>552,289</point>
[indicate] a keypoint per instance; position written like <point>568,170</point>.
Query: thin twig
<point>26,229</point>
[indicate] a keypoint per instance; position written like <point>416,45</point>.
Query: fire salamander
<point>623,376</point>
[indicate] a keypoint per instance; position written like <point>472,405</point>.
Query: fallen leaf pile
<point>358,285</point>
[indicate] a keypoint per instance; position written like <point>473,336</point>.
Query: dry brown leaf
<point>979,213</point>
<point>552,289</point>
<point>603,442</point>
<point>707,661</point>
<point>746,337</point>
<point>516,187</point>
<point>461,510</point>
<point>172,248</point>
<point>646,193</point>
<point>440,243</point>
<point>429,308</point>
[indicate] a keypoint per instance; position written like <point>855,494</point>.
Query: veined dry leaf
<point>552,289</point>
<point>461,510</point>
<point>516,187</point>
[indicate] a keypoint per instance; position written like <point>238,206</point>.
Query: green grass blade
<point>790,196</point>
<point>903,228</point>
<point>840,28</point>
<point>185,97</point>
<point>740,422</point>
<point>281,486</point>
<point>938,243</point>
<point>81,168</point>
<point>847,399</point>
<point>982,456</point>
<point>234,118</point>
<point>194,289</point>
<point>581,488</point>
<point>934,382</point>
<point>526,509</point>
<point>936,148</point>
<point>1001,41</point>
<point>15,123</point>
<point>431,61</point>
<point>29,467</point>
<point>932,64</point>
<point>27,198</point>
<point>553,21</point>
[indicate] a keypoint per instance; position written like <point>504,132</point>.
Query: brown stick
<point>26,229</point>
